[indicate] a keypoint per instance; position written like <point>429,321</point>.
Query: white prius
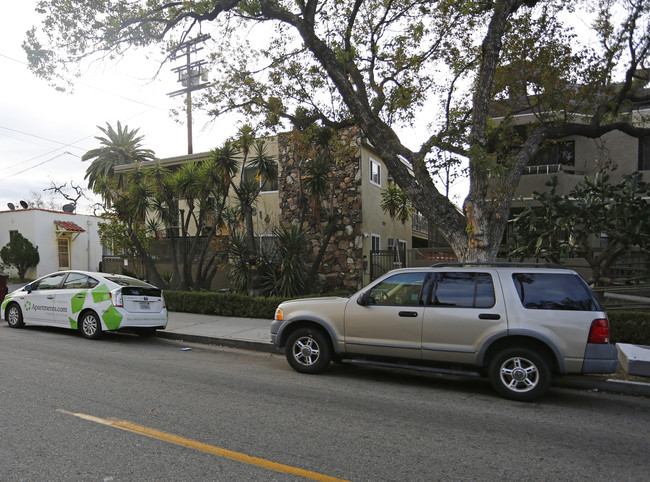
<point>88,302</point>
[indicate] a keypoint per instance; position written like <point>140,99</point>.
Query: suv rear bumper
<point>600,358</point>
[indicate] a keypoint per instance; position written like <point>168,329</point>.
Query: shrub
<point>221,304</point>
<point>629,327</point>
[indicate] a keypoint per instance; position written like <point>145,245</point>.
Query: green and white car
<point>88,302</point>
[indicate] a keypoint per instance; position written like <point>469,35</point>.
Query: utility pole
<point>192,75</point>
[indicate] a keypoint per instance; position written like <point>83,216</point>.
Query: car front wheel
<point>14,316</point>
<point>308,351</point>
<point>520,374</point>
<point>90,326</point>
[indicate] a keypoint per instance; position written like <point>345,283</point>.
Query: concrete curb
<point>576,382</point>
<point>611,385</point>
<point>228,342</point>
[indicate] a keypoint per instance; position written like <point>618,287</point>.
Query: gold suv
<point>516,323</point>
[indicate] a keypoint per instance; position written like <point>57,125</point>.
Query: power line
<point>119,96</point>
<point>42,138</point>
<point>39,164</point>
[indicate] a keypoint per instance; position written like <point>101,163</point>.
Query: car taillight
<point>162,298</point>
<point>117,299</point>
<point>599,332</point>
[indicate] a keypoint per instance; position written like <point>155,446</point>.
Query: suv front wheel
<point>520,374</point>
<point>308,350</point>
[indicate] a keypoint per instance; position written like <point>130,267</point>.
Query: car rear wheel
<point>308,350</point>
<point>520,374</point>
<point>90,326</point>
<point>14,316</point>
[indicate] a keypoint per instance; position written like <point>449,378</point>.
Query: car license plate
<point>144,305</point>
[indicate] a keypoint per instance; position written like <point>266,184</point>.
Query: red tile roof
<point>69,226</point>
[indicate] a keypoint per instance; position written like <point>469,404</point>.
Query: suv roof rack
<point>501,265</point>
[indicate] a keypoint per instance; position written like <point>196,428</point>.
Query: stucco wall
<point>37,225</point>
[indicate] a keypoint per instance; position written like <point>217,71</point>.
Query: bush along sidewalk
<point>221,304</point>
<point>629,327</point>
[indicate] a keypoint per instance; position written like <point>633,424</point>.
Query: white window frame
<point>68,252</point>
<point>375,238</point>
<point>375,168</point>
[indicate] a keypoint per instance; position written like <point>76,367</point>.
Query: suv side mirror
<point>364,299</point>
<point>28,288</point>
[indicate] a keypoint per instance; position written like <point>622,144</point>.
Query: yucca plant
<point>286,274</point>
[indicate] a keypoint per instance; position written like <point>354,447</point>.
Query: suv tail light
<point>117,299</point>
<point>599,332</point>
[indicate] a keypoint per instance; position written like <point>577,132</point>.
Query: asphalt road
<point>126,408</point>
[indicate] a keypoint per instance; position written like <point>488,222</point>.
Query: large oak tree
<point>386,65</point>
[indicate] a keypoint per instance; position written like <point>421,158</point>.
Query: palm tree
<point>398,206</point>
<point>118,147</point>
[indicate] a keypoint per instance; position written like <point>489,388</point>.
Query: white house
<point>64,240</point>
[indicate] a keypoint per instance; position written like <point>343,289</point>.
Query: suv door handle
<point>489,316</point>
<point>50,297</point>
<point>408,314</point>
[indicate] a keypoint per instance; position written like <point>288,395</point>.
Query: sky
<point>44,133</point>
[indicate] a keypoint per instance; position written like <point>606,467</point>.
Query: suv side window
<point>404,289</point>
<point>463,290</point>
<point>553,291</point>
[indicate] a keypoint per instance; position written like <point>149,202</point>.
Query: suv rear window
<point>554,291</point>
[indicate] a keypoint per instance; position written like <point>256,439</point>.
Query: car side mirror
<point>364,299</point>
<point>28,288</point>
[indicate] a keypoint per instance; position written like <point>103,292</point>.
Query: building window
<point>419,222</point>
<point>375,242</point>
<point>64,253</point>
<point>375,172</point>
<point>266,185</point>
<point>644,154</point>
<point>267,244</point>
<point>551,158</point>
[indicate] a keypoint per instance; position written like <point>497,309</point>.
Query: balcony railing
<point>543,169</point>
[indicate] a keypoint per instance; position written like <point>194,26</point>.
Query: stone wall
<point>342,266</point>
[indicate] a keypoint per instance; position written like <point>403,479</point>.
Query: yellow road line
<point>203,447</point>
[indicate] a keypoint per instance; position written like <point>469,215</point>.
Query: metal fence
<point>382,261</point>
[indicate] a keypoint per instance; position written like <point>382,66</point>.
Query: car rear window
<point>124,281</point>
<point>554,291</point>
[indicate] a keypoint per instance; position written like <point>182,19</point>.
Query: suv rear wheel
<point>308,350</point>
<point>520,374</point>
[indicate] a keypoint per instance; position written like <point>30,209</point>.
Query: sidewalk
<point>254,334</point>
<point>247,333</point>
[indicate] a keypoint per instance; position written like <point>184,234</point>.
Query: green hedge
<point>625,326</point>
<point>221,304</point>
<point>629,327</point>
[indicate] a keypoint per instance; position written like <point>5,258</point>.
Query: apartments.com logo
<point>58,309</point>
